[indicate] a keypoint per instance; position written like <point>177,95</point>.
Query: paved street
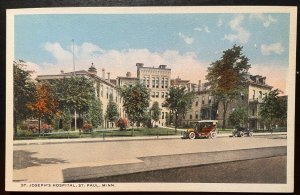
<point>263,170</point>
<point>48,162</point>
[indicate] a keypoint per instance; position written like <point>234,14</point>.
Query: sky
<point>186,43</point>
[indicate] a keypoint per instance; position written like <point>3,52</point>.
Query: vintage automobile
<point>202,129</point>
<point>241,132</point>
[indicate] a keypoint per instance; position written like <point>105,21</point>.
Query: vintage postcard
<point>177,99</point>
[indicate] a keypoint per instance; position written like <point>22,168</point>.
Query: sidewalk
<point>88,140</point>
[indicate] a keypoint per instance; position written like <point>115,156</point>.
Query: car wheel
<point>192,135</point>
<point>212,135</point>
<point>242,134</point>
<point>250,134</point>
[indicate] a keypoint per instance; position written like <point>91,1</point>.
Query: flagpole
<point>75,120</point>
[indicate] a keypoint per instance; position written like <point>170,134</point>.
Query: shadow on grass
<point>23,159</point>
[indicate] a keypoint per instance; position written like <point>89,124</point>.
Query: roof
<point>79,72</point>
<point>154,68</point>
<point>132,78</point>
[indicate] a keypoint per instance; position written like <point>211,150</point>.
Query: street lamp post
<point>75,119</point>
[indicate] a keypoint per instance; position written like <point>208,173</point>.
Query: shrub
<point>24,133</point>
<point>122,123</point>
<point>34,128</point>
<point>23,126</point>
<point>46,128</point>
<point>87,127</point>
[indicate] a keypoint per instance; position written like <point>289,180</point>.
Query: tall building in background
<point>157,80</point>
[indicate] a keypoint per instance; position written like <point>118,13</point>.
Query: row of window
<point>156,82</point>
<point>204,114</point>
<point>260,94</point>
<point>203,100</point>
<point>109,91</point>
<point>164,115</point>
<point>162,94</point>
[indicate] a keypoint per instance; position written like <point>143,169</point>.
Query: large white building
<point>104,87</point>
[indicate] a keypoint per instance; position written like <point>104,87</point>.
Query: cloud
<point>204,28</point>
<point>220,22</point>
<point>188,40</point>
<point>58,52</point>
<point>272,48</point>
<point>267,20</point>
<point>242,35</point>
<point>185,65</point>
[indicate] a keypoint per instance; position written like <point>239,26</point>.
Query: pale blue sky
<point>46,40</point>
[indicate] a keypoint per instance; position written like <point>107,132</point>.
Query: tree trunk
<point>176,118</point>
<point>225,104</point>
<point>39,126</point>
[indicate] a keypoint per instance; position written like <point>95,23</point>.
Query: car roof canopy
<point>208,121</point>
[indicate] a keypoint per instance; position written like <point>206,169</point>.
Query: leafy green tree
<point>227,77</point>
<point>67,119</point>
<point>95,113</point>
<point>135,102</point>
<point>238,117</point>
<point>75,94</point>
<point>273,109</point>
<point>155,112</point>
<point>112,112</point>
<point>24,90</point>
<point>179,102</point>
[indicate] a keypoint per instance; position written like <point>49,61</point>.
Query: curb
<point>110,139</point>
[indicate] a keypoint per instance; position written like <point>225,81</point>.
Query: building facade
<point>157,80</point>
<point>205,106</point>
<point>104,88</point>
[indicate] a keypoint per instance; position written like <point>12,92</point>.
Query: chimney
<point>128,74</point>
<point>199,85</point>
<point>108,76</point>
<point>139,65</point>
<point>162,66</point>
<point>103,73</point>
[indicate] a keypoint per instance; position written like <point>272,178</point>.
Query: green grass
<point>105,133</point>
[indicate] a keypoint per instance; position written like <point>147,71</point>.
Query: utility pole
<point>75,119</point>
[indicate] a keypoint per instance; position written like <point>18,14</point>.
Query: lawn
<point>100,133</point>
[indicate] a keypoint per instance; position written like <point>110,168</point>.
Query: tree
<point>45,103</point>
<point>273,109</point>
<point>67,119</point>
<point>95,113</point>
<point>112,112</point>
<point>179,102</point>
<point>135,102</point>
<point>227,77</point>
<point>155,111</point>
<point>75,94</point>
<point>238,117</point>
<point>24,89</point>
